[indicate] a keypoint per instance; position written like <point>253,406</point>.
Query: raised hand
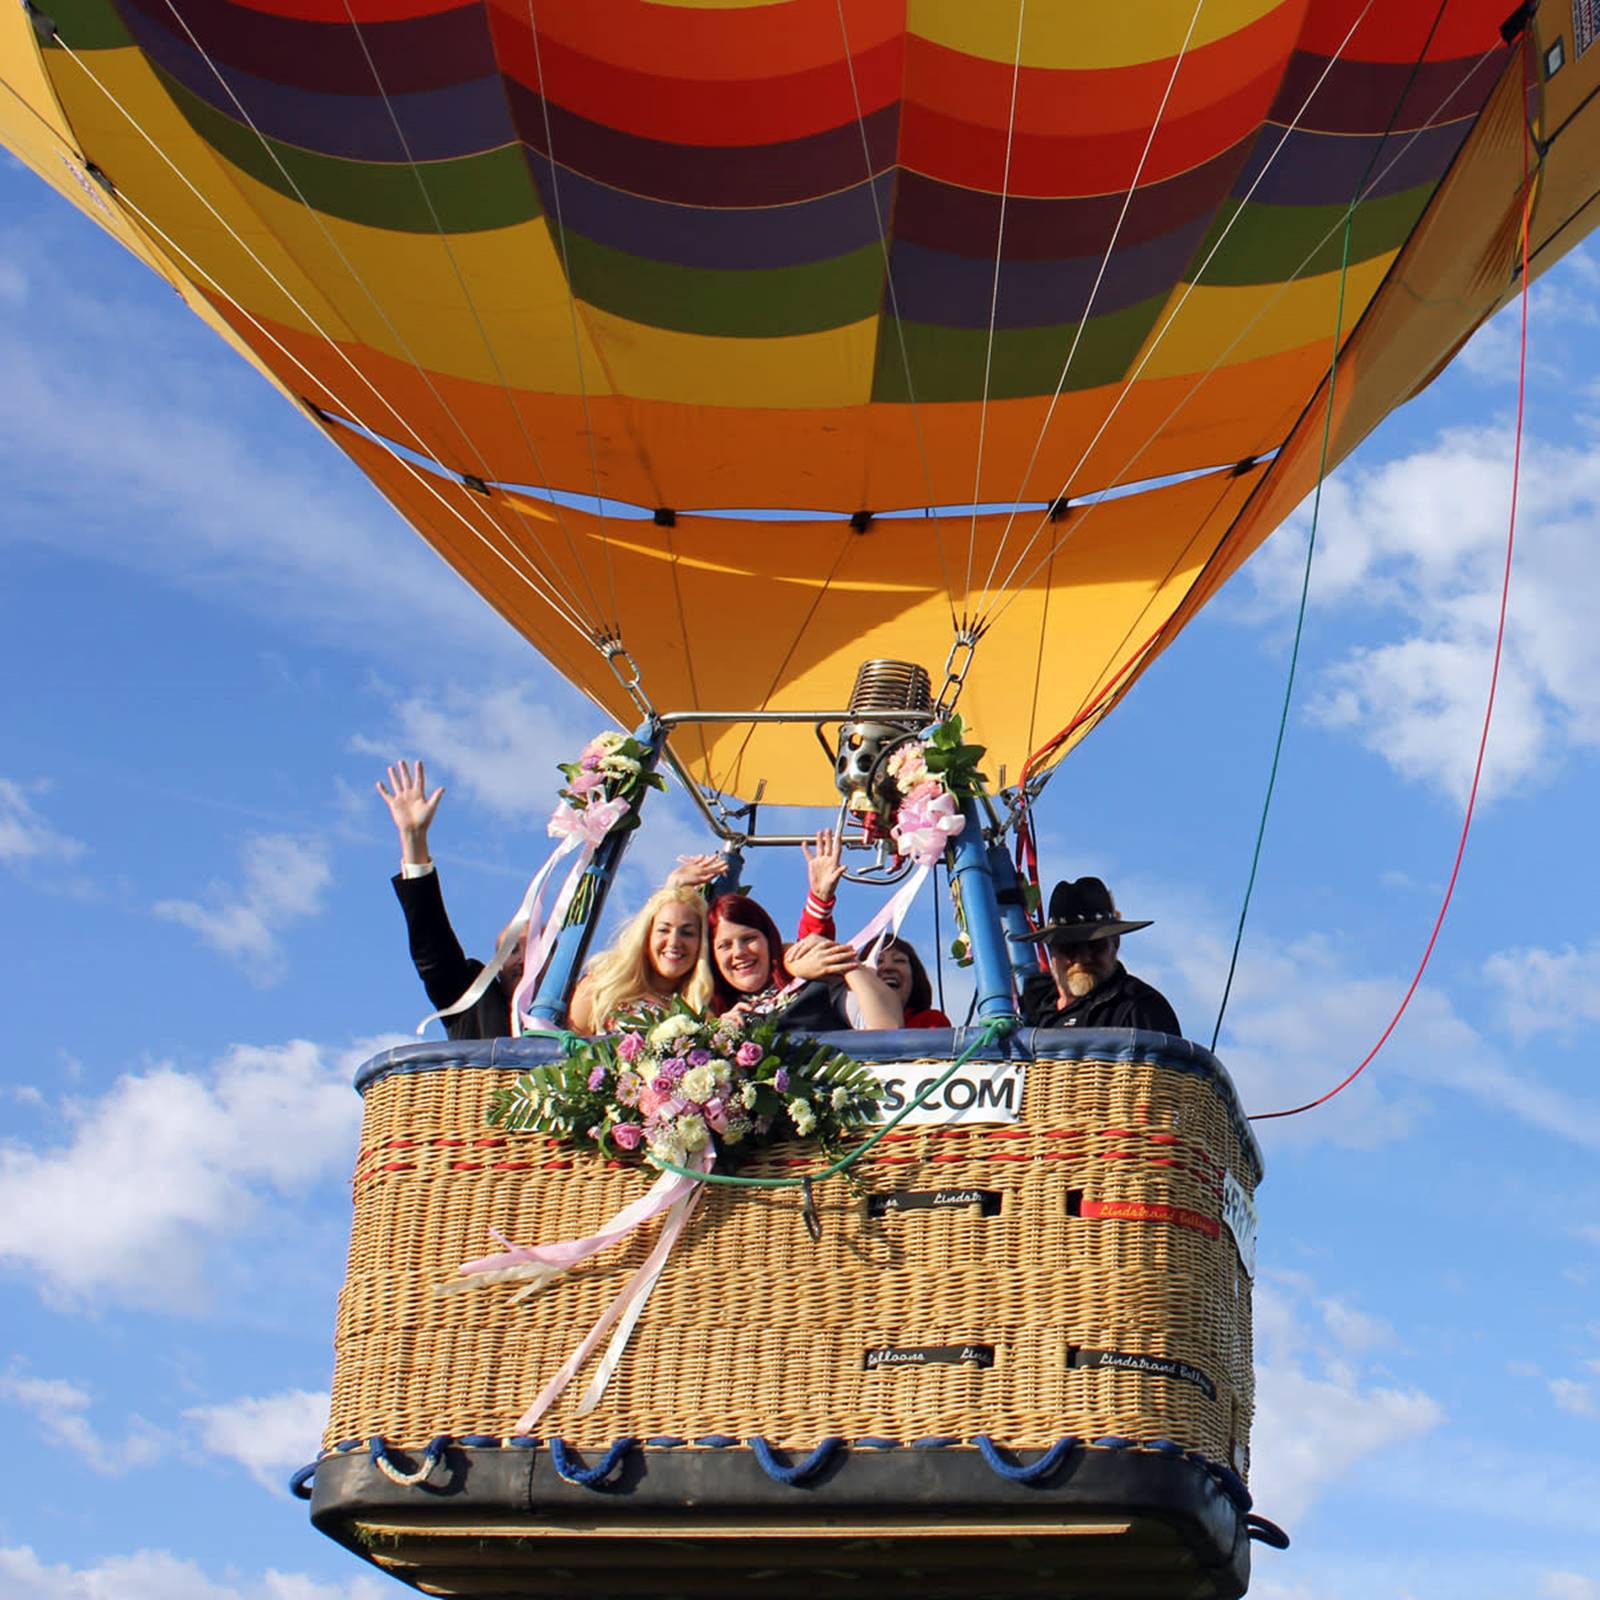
<point>411,807</point>
<point>693,872</point>
<point>824,863</point>
<point>816,957</point>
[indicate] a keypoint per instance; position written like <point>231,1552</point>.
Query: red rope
<point>1488,712</point>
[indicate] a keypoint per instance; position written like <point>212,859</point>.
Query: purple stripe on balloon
<point>413,55</point>
<point>1369,96</point>
<point>730,238</point>
<point>462,120</point>
<point>708,175</point>
<point>961,221</point>
<point>1326,169</point>
<point>945,290</point>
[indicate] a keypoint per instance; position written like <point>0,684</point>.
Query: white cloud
<point>1573,1397</point>
<point>1547,990</point>
<point>1568,1586</point>
<point>159,1575</point>
<point>1300,1018</point>
<point>61,1409</point>
<point>284,877</point>
<point>158,1171</point>
<point>24,834</point>
<point>500,745</point>
<point>269,1436</point>
<point>197,480</point>
<point>1317,1413</point>
<point>1418,544</point>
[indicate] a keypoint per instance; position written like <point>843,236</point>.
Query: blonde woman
<point>659,954</point>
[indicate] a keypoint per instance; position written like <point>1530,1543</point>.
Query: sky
<point>214,636</point>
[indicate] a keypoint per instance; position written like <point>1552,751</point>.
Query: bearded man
<point>1086,986</point>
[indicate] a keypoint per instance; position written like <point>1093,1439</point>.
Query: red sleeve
<point>817,918</point>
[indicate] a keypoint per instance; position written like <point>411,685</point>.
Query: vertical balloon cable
<point>554,599</point>
<point>426,378</point>
<point>1494,680</point>
<point>1311,540</point>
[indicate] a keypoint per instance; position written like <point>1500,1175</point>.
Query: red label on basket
<point>1150,1211</point>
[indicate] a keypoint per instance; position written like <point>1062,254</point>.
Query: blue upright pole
<point>549,1008</point>
<point>972,881</point>
<point>1013,914</point>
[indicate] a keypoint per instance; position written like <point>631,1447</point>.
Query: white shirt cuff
<point>415,869</point>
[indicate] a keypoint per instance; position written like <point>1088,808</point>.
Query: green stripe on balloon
<point>471,194</point>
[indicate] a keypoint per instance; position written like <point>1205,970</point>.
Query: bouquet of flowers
<point>926,781</point>
<point>672,1086</point>
<point>604,786</point>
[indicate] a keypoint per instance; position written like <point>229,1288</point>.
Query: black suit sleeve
<point>444,967</point>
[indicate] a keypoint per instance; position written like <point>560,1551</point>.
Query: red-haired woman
<point>753,974</point>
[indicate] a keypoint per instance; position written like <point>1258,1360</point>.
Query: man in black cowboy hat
<point>1086,986</point>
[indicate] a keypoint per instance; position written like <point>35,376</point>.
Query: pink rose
<point>627,1135</point>
<point>748,1054</point>
<point>585,781</point>
<point>629,1046</point>
<point>651,1101</point>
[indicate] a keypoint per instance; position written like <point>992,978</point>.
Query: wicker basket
<point>1089,1287</point>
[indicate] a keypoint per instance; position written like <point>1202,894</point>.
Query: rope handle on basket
<point>300,1481</point>
<point>801,1470</point>
<point>1034,1471</point>
<point>594,1477</point>
<point>432,1455</point>
<point>994,1029</point>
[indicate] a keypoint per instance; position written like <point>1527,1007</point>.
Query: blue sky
<point>214,636</point>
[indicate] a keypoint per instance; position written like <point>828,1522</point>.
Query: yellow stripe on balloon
<point>800,372</point>
<point>1125,33</point>
<point>1265,319</point>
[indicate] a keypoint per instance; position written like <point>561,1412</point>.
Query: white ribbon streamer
<point>526,913</point>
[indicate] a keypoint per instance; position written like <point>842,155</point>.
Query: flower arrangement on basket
<point>604,787</point>
<point>682,1087</point>
<point>917,800</point>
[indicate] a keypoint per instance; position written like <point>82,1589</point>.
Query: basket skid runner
<point>1105,1520</point>
<point>1015,1361</point>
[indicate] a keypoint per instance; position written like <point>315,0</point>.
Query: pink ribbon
<point>536,1264</point>
<point>886,924</point>
<point>590,823</point>
<point>527,914</point>
<point>539,945</point>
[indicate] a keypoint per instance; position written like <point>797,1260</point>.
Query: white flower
<point>669,1147</point>
<point>802,1116</point>
<point>672,1028</point>
<point>691,1132</point>
<point>747,1096</point>
<point>698,1083</point>
<point>619,766</point>
<point>840,1098</point>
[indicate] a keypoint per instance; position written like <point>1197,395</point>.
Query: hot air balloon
<point>723,347</point>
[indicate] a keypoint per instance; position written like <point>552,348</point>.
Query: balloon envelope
<point>827,258</point>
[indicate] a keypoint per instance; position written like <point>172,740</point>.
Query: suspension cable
<point>485,471</point>
<point>1488,710</point>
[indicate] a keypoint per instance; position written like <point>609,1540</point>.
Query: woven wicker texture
<point>756,1330</point>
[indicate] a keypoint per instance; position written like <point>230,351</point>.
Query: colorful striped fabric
<point>825,255</point>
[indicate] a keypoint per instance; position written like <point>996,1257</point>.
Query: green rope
<point>1299,627</point>
<point>995,1028</point>
<point>1316,506</point>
